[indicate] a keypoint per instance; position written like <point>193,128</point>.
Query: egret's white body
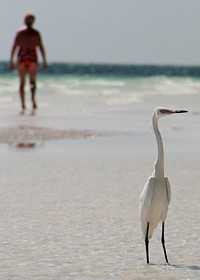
<point>156,195</point>
<point>155,199</point>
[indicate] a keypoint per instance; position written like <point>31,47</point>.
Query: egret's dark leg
<point>147,242</point>
<point>163,241</point>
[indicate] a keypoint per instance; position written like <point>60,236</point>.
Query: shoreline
<point>33,134</point>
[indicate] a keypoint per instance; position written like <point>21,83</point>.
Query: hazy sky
<point>112,31</point>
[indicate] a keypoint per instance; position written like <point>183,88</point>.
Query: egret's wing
<point>168,189</point>
<point>145,204</point>
<point>147,194</point>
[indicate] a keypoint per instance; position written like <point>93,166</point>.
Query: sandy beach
<point>70,188</point>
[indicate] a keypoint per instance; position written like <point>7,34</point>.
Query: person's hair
<point>29,19</point>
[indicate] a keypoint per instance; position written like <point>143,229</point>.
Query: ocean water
<point>101,88</point>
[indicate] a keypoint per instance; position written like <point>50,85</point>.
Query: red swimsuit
<point>27,57</point>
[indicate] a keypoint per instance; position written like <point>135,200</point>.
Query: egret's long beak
<point>180,111</point>
<point>167,111</point>
<point>175,111</point>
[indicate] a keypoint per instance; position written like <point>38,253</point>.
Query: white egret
<point>156,194</point>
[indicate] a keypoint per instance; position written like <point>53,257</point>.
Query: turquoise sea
<point>99,87</point>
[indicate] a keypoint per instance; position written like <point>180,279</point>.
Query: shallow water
<point>70,211</point>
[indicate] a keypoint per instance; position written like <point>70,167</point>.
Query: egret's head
<point>161,112</point>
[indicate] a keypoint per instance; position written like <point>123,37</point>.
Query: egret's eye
<point>163,111</point>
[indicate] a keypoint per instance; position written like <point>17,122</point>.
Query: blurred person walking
<point>26,42</point>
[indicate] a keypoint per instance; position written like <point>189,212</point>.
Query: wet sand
<point>69,203</point>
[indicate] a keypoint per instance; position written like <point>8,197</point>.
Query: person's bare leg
<point>22,73</point>
<point>22,97</point>
<point>32,77</point>
<point>33,90</point>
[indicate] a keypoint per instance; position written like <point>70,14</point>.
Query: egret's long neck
<point>159,164</point>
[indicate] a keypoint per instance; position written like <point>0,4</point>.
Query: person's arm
<point>11,64</point>
<point>42,51</point>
